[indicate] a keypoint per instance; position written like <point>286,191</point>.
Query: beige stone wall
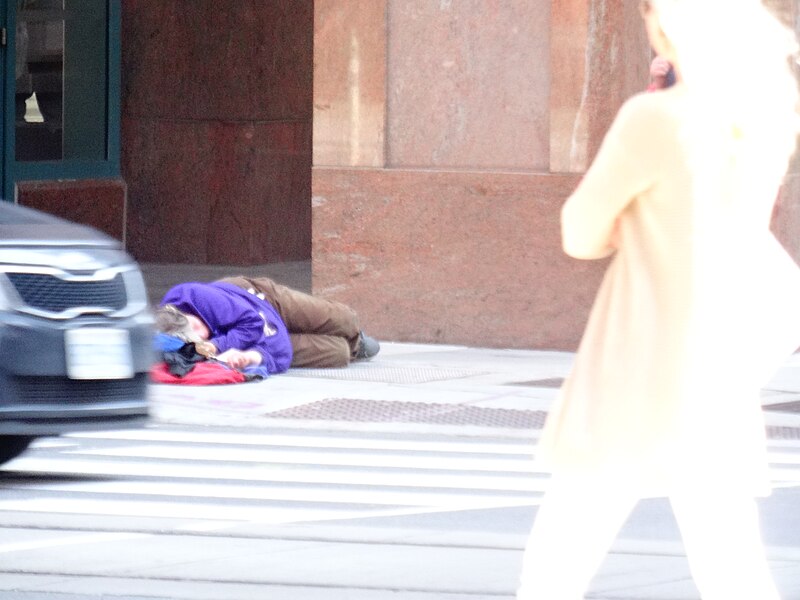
<point>350,83</point>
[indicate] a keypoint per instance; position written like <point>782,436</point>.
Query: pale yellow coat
<point>697,308</point>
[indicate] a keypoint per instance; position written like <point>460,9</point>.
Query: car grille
<point>59,390</point>
<point>53,294</point>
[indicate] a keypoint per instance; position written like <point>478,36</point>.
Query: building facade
<point>416,151</point>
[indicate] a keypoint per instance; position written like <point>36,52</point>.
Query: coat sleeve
<point>625,166</point>
<point>237,325</point>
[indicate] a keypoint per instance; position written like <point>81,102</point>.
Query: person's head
<point>733,58</point>
<point>185,326</point>
<point>658,39</point>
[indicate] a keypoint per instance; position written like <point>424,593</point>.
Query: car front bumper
<point>38,398</point>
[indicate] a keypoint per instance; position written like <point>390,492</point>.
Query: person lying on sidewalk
<point>256,321</point>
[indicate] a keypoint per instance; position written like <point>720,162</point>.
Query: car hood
<point>21,226</point>
<point>30,237</point>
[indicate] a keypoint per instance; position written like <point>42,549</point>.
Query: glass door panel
<point>39,95</point>
<point>61,80</point>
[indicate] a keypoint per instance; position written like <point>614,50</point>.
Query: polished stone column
<point>216,129</point>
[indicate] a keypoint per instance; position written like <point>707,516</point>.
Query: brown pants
<point>324,334</point>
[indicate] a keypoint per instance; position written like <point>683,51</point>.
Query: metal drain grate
<point>385,411</point>
<point>388,411</point>
<point>378,374</point>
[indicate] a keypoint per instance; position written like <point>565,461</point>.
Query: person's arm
<point>624,167</point>
<point>243,330</point>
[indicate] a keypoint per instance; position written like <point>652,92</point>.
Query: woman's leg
<point>722,538</point>
<point>575,526</point>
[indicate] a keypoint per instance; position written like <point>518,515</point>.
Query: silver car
<point>75,330</point>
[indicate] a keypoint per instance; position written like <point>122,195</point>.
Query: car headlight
<point>6,293</point>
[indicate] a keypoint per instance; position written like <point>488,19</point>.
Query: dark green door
<point>62,96</point>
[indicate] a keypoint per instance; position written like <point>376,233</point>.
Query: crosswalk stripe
<point>306,441</point>
<point>374,496</point>
<point>317,456</point>
<point>271,515</point>
<point>213,478</point>
<point>67,541</point>
<point>271,473</point>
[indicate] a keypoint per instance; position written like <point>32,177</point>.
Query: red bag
<point>203,373</point>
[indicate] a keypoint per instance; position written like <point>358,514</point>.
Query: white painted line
<point>304,441</point>
<point>74,540</point>
<point>784,474</point>
<point>181,510</point>
<point>319,456</point>
<point>376,496</point>
<point>785,458</point>
<point>270,473</point>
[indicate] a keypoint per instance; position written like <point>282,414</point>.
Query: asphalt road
<point>215,513</point>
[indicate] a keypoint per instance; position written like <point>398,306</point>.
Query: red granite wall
<point>447,136</point>
<point>99,203</point>
<point>475,94</point>
<point>448,231</point>
<point>451,256</point>
<point>216,129</point>
<point>786,217</point>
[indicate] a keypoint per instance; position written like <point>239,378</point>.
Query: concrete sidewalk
<point>429,390</point>
<point>418,387</point>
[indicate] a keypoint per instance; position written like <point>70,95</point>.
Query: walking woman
<point>699,305</point>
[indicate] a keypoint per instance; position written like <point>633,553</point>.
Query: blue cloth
<point>254,372</point>
<point>236,319</point>
<point>163,342</point>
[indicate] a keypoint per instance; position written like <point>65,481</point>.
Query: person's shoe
<point>367,347</point>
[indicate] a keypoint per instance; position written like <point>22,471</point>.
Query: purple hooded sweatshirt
<point>236,319</point>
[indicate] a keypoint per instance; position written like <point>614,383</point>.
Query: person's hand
<point>205,348</point>
<point>659,67</point>
<point>239,359</point>
<point>235,358</point>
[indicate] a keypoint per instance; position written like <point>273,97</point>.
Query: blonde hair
<point>738,61</point>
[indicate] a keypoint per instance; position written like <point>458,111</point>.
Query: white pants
<point>579,520</point>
